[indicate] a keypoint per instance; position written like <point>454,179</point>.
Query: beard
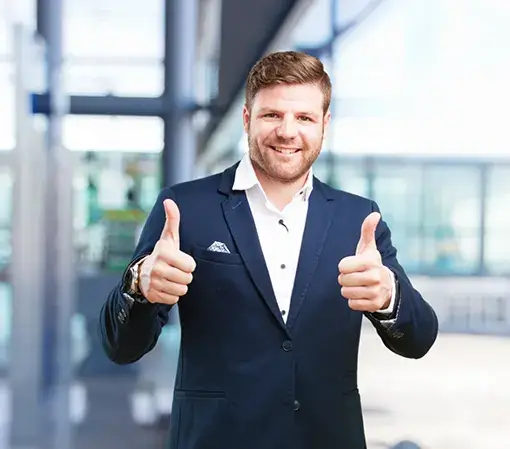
<point>266,161</point>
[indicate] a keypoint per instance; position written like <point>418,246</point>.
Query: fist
<point>167,272</point>
<point>366,283</point>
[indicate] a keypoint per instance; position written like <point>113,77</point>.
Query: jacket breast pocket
<point>203,254</point>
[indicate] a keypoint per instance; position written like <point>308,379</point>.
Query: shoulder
<point>199,186</point>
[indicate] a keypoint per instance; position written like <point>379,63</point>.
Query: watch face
<point>134,275</point>
<point>129,286</point>
<point>128,281</point>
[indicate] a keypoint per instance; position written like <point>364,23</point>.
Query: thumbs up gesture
<point>167,272</point>
<point>366,283</point>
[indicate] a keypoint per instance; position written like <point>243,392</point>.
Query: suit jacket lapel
<point>238,216</point>
<point>319,217</point>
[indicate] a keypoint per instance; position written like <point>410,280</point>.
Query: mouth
<point>285,151</point>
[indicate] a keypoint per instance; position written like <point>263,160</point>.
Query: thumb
<point>173,217</point>
<point>367,238</point>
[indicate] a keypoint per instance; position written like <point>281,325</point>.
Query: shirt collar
<point>245,178</point>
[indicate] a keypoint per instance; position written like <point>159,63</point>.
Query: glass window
<point>114,47</point>
<point>5,38</point>
<point>306,33</point>
<point>108,133</point>
<point>7,106</point>
<point>6,191</point>
<point>351,176</point>
<point>113,193</point>
<point>5,324</point>
<point>143,79</point>
<point>497,237</point>
<point>370,60</point>
<point>398,193</point>
<point>114,37</point>
<point>114,28</point>
<point>451,219</point>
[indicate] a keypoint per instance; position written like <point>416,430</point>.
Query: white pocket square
<point>219,247</point>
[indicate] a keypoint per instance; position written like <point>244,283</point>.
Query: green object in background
<point>94,210</point>
<point>121,235</point>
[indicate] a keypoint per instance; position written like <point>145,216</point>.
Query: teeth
<point>285,151</point>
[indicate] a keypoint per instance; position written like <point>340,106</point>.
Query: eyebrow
<point>272,110</point>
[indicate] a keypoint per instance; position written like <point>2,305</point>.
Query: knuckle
<point>190,262</point>
<point>178,289</point>
<point>183,289</point>
<point>171,299</point>
<point>167,252</point>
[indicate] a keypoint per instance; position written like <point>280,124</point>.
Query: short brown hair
<point>287,67</point>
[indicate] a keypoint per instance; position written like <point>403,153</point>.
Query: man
<point>272,271</point>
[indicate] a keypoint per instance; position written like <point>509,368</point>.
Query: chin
<point>286,176</point>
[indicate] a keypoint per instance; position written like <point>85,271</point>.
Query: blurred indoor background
<point>104,101</point>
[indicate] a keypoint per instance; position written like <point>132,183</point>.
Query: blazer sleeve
<point>413,327</point>
<point>129,330</point>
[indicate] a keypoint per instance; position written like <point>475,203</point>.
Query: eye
<point>304,118</point>
<point>270,115</point>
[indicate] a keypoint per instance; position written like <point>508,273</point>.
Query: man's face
<point>285,129</point>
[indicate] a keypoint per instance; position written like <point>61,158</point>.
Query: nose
<point>288,128</point>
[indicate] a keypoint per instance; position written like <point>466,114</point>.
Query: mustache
<point>284,142</point>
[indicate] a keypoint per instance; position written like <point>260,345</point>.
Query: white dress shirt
<point>280,232</point>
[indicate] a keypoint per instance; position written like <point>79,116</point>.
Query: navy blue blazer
<point>246,379</point>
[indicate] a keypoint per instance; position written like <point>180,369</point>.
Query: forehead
<point>299,97</point>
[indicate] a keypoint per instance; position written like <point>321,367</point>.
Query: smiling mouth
<point>286,151</point>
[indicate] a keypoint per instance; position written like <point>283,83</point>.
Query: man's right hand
<point>167,272</point>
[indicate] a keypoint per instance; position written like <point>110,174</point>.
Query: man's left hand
<point>366,283</point>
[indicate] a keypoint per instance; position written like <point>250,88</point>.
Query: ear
<point>246,118</point>
<point>326,121</point>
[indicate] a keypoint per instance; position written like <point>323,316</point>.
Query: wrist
<point>390,289</point>
<point>132,288</point>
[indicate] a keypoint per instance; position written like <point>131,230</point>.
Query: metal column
<point>26,269</point>
<point>59,267</point>
<point>178,100</point>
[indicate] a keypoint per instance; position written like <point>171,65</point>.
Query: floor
<point>457,397</point>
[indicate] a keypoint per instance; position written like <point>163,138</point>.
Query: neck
<point>280,194</point>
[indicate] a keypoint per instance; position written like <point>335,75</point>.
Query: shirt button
<point>283,312</point>
<point>287,346</point>
<point>283,266</point>
<point>297,406</point>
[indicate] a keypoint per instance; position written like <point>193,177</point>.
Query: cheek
<point>264,134</point>
<point>312,137</point>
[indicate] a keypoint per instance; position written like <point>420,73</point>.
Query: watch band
<point>131,287</point>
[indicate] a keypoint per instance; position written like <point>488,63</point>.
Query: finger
<point>167,272</point>
<point>367,238</point>
<point>360,279</point>
<point>160,285</point>
<point>171,229</point>
<point>179,260</point>
<point>360,293</point>
<point>165,298</point>
<point>363,305</point>
<point>356,264</point>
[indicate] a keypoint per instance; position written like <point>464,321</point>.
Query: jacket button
<point>297,406</point>
<point>287,346</point>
